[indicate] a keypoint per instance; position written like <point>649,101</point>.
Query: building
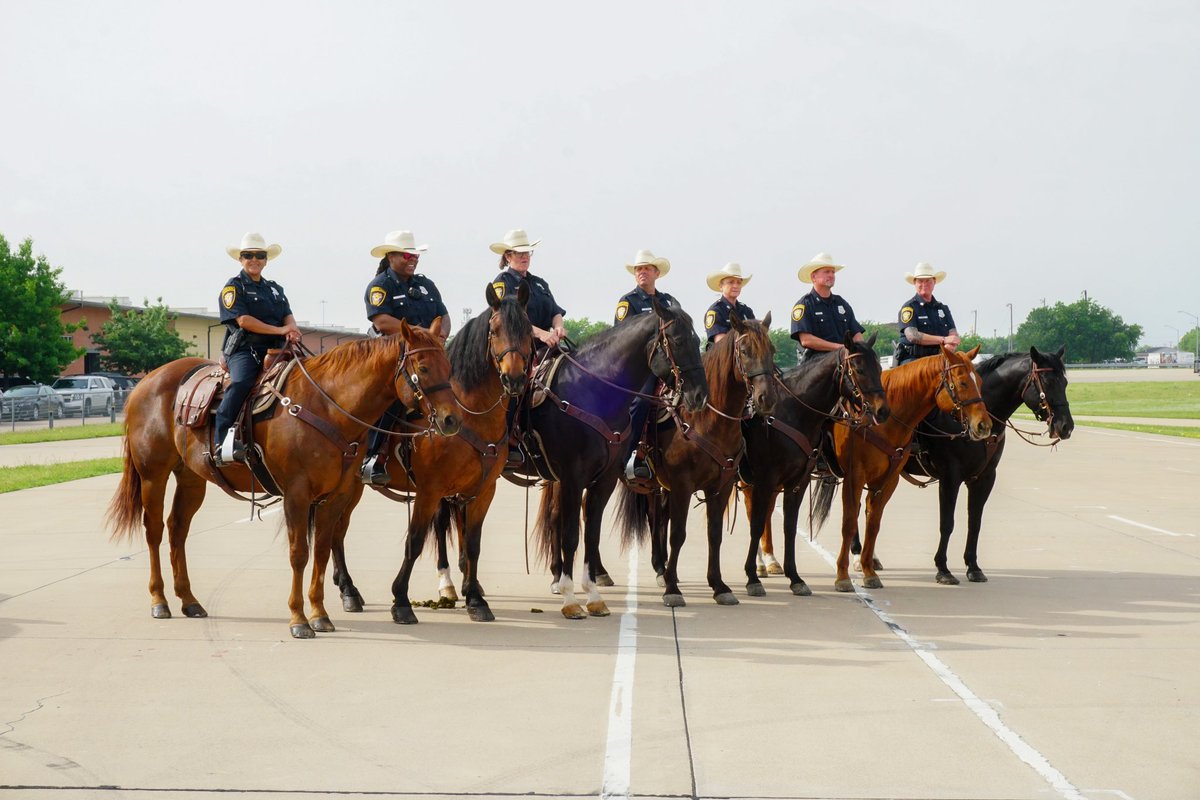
<point>199,327</point>
<point>1168,357</point>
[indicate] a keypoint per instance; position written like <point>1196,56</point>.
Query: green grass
<point>13,479</point>
<point>63,433</point>
<point>1166,400</point>
<point>1162,430</point>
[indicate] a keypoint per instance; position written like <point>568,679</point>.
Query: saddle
<point>203,389</point>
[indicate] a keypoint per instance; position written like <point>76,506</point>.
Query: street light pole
<point>974,321</point>
<point>1010,327</point>
<point>1195,340</point>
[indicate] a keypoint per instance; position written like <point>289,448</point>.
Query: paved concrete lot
<point>1072,673</point>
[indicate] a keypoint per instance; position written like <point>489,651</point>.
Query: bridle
<point>1044,410</point>
<point>663,341</point>
<point>497,358</point>
<point>852,404</point>
<point>739,367</point>
<point>948,387</point>
<point>414,380</point>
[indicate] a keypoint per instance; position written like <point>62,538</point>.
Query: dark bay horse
<point>583,426</point>
<point>870,457</point>
<point>456,476</point>
<point>1039,380</point>
<point>314,468</point>
<point>700,453</point>
<point>781,449</point>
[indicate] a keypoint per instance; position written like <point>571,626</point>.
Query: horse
<point>870,457</point>
<point>309,441</point>
<point>583,426</point>
<point>1039,380</point>
<point>842,386</point>
<point>700,453</point>
<point>456,477</point>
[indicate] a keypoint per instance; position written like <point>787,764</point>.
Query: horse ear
<point>870,340</point>
<point>1035,355</point>
<point>662,313</point>
<point>436,327</point>
<point>493,300</point>
<point>974,351</point>
<point>405,330</point>
<point>523,294</point>
<point>1062,351</point>
<point>766,321</point>
<point>735,321</point>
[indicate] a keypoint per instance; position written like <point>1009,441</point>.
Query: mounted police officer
<point>646,269</point>
<point>925,323</point>
<point>728,280</point>
<point>821,319</point>
<point>397,293</point>
<point>257,317</point>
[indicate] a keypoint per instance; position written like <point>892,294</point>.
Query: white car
<point>85,394</point>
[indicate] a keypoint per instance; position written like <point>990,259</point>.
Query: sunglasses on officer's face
<point>248,255</point>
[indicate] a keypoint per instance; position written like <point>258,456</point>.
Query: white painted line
<point>1148,527</point>
<point>618,750</point>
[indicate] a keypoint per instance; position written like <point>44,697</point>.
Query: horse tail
<point>125,508</point>
<point>820,501</point>
<point>549,523</point>
<point>633,515</point>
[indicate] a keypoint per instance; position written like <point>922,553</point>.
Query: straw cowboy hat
<point>516,240</point>
<point>819,261</point>
<point>646,257</point>
<point>730,270</point>
<point>924,269</point>
<point>253,241</point>
<point>398,242</point>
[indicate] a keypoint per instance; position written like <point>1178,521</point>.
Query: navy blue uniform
<point>265,301</point>
<point>542,307</point>
<point>416,299</point>
<point>826,318</point>
<point>716,319</point>
<point>638,302</point>
<point>932,318</point>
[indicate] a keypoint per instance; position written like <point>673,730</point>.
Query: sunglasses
<point>247,254</point>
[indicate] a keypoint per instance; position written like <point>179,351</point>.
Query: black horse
<point>1039,380</point>
<point>781,449</point>
<point>582,429</point>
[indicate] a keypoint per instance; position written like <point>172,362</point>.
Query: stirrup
<point>374,472</point>
<point>638,469</point>
<point>231,450</point>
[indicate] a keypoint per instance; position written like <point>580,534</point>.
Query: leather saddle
<point>199,394</point>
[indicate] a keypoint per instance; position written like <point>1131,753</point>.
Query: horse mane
<point>470,360</point>
<point>908,384</point>
<point>995,362</point>
<point>343,357</point>
<point>610,337</point>
<point>720,359</point>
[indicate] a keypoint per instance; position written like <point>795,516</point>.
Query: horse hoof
<point>761,571</point>
<point>352,604</point>
<point>725,599</point>
<point>801,589</point>
<point>674,601</point>
<point>661,581</point>
<point>947,579</point>
<point>322,625</point>
<point>755,589</point>
<point>876,563</point>
<point>480,614</point>
<point>872,582</point>
<point>976,576</point>
<point>603,579</point>
<point>303,631</point>
<point>448,593</point>
<point>194,610</point>
<point>554,588</point>
<point>598,608</point>
<point>574,611</point>
<point>774,569</point>
<point>843,585</point>
<point>160,611</point>
<point>403,615</point>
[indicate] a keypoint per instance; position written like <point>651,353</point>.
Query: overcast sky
<point>1031,150</point>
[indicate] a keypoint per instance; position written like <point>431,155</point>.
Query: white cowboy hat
<point>730,270</point>
<point>819,261</point>
<point>924,269</point>
<point>399,242</point>
<point>646,257</point>
<point>516,240</point>
<point>253,241</point>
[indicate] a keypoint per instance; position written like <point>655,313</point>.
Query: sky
<point>1033,151</point>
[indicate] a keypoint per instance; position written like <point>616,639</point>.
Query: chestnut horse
<point>314,468</point>
<point>489,359</point>
<point>700,453</point>
<point>871,456</point>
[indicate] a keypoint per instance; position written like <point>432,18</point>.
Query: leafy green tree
<point>31,328</point>
<point>885,343</point>
<point>992,345</point>
<point>139,340</point>
<point>1188,343</point>
<point>785,348</point>
<point>580,330</point>
<point>1091,332</point>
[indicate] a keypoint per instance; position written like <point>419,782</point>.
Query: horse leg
<point>296,506</point>
<point>770,565</point>
<point>791,520</point>
<point>876,501</point>
<point>756,511</point>
<point>423,509</point>
<point>851,491</point>
<point>856,551</point>
<point>352,599</point>
<point>472,523</point>
<point>657,519</point>
<point>593,506</point>
<point>978,493</point>
<point>947,500</point>
<point>568,524</point>
<point>154,490</point>
<point>189,494</point>
<point>441,527</point>
<point>677,508</point>
<point>330,522</point>
<point>716,503</point>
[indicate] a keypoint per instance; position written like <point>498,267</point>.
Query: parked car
<point>123,384</point>
<point>83,394</point>
<point>31,402</point>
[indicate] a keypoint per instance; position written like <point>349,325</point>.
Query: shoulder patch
<point>622,309</point>
<point>798,312</point>
<point>499,287</point>
<point>906,314</point>
<point>228,296</point>
<point>710,319</point>
<point>378,295</point>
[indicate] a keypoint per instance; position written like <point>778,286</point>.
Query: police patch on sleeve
<point>798,312</point>
<point>228,296</point>
<point>710,319</point>
<point>622,309</point>
<point>906,314</point>
<point>499,287</point>
<point>378,295</point>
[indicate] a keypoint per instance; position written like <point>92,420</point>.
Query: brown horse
<point>314,468</point>
<point>871,456</point>
<point>489,359</point>
<point>701,454</point>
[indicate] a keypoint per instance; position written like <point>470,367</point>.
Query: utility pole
<point>1010,327</point>
<point>323,313</point>
<point>974,321</point>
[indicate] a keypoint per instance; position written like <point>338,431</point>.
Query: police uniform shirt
<point>716,319</point>
<point>829,319</point>
<point>638,302</point>
<point>415,300</point>
<point>932,318</point>
<point>542,307</point>
<point>264,300</point>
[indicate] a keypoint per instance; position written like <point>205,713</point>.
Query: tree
<point>992,345</point>
<point>785,348</point>
<point>885,343</point>
<point>139,340</point>
<point>580,330</point>
<point>32,342</point>
<point>1091,332</point>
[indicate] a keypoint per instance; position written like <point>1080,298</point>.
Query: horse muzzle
<point>513,385</point>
